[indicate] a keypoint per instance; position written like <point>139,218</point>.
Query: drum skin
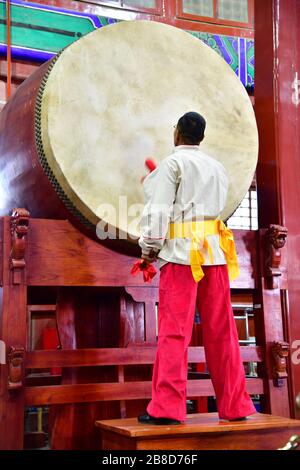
<point>76,133</point>
<point>23,181</point>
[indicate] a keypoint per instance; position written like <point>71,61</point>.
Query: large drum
<point>75,136</point>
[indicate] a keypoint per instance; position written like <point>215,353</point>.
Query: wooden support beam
<point>118,356</point>
<point>79,260</point>
<point>85,393</point>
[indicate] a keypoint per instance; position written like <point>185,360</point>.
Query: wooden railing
<point>119,357</point>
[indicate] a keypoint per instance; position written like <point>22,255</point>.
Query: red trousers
<point>178,296</point>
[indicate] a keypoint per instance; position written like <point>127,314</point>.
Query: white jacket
<point>187,185</point>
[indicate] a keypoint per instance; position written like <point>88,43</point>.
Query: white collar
<point>186,147</point>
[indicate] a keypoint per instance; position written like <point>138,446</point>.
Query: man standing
<point>180,226</point>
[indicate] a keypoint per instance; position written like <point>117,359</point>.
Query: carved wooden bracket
<point>19,230</point>
<point>275,241</point>
<point>15,360</point>
<point>280,351</point>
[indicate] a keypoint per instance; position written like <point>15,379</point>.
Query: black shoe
<point>147,419</point>
<point>244,418</point>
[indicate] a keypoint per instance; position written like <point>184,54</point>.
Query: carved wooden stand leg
<point>269,326</point>
<point>13,330</point>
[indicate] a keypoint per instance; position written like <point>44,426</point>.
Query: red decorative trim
<point>167,13</point>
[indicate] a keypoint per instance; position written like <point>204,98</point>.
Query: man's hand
<point>150,258</point>
<point>145,267</point>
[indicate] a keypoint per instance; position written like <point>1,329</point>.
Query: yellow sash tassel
<point>197,258</point>
<point>228,246</point>
<point>197,232</point>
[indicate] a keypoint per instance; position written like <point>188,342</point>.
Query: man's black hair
<point>191,127</point>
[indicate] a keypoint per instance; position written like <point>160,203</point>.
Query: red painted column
<point>277,105</point>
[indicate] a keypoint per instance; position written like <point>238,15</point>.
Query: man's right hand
<point>150,258</point>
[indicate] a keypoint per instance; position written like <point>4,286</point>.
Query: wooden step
<point>200,432</point>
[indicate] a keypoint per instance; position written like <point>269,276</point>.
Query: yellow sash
<point>197,232</point>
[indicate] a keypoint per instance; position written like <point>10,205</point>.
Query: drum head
<point>111,100</point>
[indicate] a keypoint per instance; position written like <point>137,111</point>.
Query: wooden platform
<point>200,432</point>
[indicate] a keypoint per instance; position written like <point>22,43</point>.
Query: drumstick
<point>151,165</point>
<point>149,162</point>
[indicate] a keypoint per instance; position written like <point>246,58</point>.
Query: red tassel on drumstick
<point>147,269</point>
